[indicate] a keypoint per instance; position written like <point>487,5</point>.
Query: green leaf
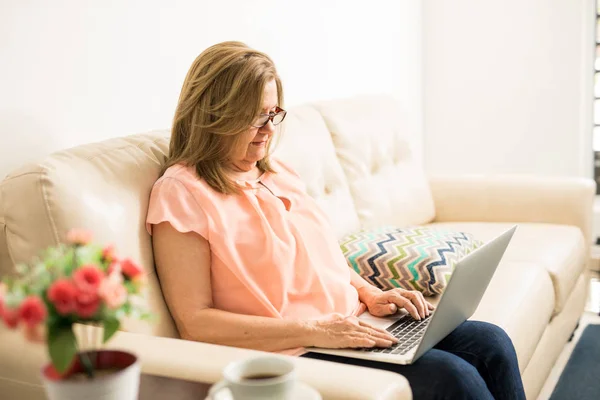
<point>39,268</point>
<point>54,257</point>
<point>9,281</point>
<point>146,316</point>
<point>62,347</point>
<point>64,265</point>
<point>111,325</point>
<point>13,299</point>
<point>89,254</point>
<point>130,286</point>
<point>126,308</point>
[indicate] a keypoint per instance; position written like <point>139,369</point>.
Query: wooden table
<point>154,387</point>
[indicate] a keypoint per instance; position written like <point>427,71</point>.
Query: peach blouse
<point>273,251</point>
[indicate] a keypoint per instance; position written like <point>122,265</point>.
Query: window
<point>596,131</point>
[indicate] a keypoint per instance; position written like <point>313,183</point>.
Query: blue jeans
<point>475,361</point>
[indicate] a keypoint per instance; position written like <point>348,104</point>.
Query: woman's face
<point>253,143</point>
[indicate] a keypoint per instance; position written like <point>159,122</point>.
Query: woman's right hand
<point>337,332</point>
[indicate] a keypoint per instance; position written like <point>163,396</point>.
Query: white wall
<point>508,86</point>
<point>82,70</point>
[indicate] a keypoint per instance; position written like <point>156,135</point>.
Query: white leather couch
<point>357,159</point>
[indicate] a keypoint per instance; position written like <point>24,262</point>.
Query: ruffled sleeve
<point>171,201</point>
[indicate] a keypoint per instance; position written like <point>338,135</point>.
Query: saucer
<point>301,391</point>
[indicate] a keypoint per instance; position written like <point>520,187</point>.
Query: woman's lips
<point>259,143</point>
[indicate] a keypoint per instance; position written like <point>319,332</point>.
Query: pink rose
<point>88,278</point>
<point>115,276</point>
<point>79,236</point>
<point>130,269</point>
<point>114,268</point>
<point>113,293</point>
<point>62,295</point>
<point>32,311</point>
<point>10,316</point>
<point>108,254</point>
<point>86,304</point>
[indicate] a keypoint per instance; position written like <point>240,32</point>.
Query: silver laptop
<point>464,291</point>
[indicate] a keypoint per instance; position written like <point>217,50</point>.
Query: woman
<point>246,258</point>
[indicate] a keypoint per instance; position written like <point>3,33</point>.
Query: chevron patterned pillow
<point>418,258</point>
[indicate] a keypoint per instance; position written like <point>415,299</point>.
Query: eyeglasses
<point>276,117</point>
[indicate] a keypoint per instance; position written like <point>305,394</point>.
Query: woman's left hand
<point>381,304</point>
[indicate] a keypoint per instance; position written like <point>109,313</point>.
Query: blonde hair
<point>221,96</point>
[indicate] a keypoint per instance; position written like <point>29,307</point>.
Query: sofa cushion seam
<point>10,178</point>
<point>44,174</point>
<point>3,222</point>
<point>10,256</point>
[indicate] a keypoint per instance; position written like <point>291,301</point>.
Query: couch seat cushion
<point>519,299</point>
<point>559,249</point>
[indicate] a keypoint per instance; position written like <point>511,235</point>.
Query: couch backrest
<point>351,154</point>
<point>375,148</point>
<point>103,187</point>
<point>306,145</point>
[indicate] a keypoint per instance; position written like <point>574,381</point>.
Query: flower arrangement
<point>75,282</point>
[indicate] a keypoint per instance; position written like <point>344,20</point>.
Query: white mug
<point>264,378</point>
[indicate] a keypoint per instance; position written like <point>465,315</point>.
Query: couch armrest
<point>203,362</point>
<point>20,364</point>
<point>518,198</point>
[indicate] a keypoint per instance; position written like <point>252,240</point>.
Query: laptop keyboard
<point>408,331</point>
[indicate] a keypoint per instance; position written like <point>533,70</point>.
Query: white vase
<point>122,384</point>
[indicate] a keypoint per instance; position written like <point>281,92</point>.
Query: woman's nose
<point>269,128</point>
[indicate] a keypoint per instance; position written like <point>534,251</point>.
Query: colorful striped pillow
<point>418,258</point>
